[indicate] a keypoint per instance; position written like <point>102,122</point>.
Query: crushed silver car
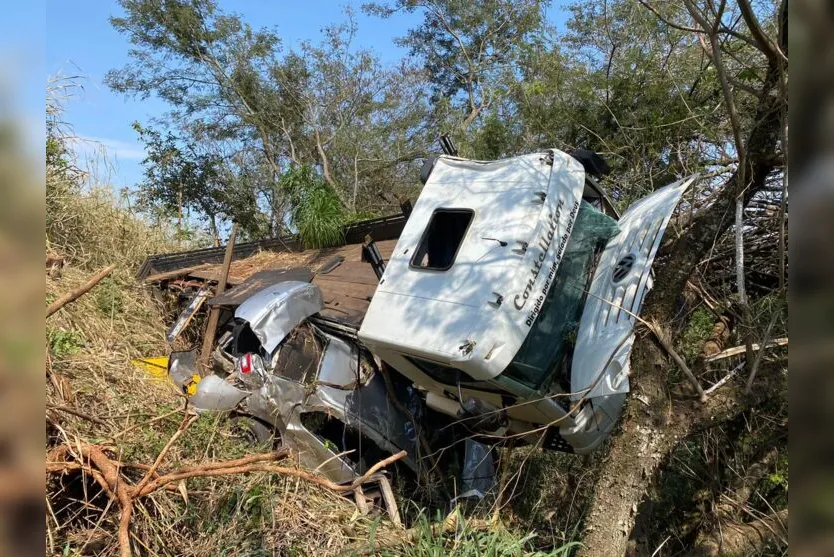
<point>313,391</point>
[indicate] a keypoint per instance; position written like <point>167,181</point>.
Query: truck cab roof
<point>475,260</point>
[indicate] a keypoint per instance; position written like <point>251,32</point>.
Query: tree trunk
<point>653,423</point>
<point>633,457</point>
<point>179,215</point>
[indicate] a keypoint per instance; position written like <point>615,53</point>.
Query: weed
<point>64,343</point>
<point>467,540</point>
<point>109,297</point>
<point>696,333</point>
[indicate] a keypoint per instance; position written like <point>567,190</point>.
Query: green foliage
<point>249,111</point>
<point>316,211</point>
<point>109,297</point>
<point>493,140</point>
<point>697,332</point>
<point>469,541</point>
<point>64,343</point>
<point>469,50</point>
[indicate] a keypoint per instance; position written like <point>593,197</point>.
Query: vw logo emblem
<point>623,267</point>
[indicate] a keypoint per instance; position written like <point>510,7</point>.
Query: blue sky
<point>80,41</point>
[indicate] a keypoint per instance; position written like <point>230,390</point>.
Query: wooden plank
<point>351,271</point>
<point>345,310</point>
<point>158,277</point>
<point>214,313</point>
<point>331,289</point>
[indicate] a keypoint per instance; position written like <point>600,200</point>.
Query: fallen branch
<point>106,472</point>
<point>75,294</point>
<point>736,350</point>
<point>77,413</point>
<point>718,384</point>
<point>667,346</point>
<point>186,423</point>
<point>755,367</point>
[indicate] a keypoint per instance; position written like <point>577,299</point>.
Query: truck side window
<point>442,239</point>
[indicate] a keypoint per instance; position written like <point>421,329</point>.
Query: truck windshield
<point>553,334</point>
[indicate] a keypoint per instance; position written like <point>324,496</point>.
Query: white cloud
<point>116,148</point>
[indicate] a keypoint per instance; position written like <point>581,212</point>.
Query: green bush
<point>696,333</point>
<point>109,297</point>
<point>317,212</point>
<point>64,343</point>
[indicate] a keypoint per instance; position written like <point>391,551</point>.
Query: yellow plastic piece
<point>192,387</point>
<point>155,365</point>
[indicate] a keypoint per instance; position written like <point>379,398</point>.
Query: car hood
<point>274,311</point>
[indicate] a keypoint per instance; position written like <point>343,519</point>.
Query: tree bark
<point>654,424</point>
<point>633,457</point>
<point>748,538</point>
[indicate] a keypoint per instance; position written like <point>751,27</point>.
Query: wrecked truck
<point>506,311</point>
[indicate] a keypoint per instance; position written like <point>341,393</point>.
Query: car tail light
<point>246,363</point>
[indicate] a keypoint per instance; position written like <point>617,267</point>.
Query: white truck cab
<point>510,294</point>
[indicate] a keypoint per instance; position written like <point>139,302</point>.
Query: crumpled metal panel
<point>359,402</point>
<point>280,402</point>
<point>182,366</point>
<point>274,311</point>
<point>340,365</point>
<point>368,409</point>
<point>213,393</point>
<point>600,365</point>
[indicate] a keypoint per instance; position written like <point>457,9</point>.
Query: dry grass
<point>95,395</point>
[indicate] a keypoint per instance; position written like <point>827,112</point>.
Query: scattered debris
<point>188,314</point>
<point>155,365</point>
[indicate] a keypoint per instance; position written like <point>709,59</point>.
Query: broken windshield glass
<point>553,334</point>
